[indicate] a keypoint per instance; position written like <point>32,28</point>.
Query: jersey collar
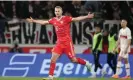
<point>59,18</point>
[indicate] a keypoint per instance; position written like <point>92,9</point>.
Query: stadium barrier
<point>37,65</point>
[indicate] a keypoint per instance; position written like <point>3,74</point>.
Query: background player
<point>96,49</point>
<point>64,41</point>
<point>124,40</point>
<point>112,56</point>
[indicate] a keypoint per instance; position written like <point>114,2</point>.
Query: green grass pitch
<point>35,78</point>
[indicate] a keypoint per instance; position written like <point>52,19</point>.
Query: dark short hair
<point>97,25</point>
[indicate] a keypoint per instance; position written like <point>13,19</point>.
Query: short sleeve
<point>68,19</point>
<point>50,21</point>
<point>129,34</point>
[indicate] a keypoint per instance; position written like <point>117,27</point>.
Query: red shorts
<point>67,48</point>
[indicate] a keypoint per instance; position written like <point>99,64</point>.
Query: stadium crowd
<point>44,9</point>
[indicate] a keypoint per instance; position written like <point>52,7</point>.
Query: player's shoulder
<point>51,19</point>
<point>120,30</point>
<point>67,16</point>
<point>128,29</point>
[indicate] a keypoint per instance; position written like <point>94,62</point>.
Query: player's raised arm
<point>42,22</point>
<point>89,16</point>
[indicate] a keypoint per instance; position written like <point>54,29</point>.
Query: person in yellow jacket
<point>96,49</point>
<point>112,56</point>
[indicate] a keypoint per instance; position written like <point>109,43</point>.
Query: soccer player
<point>64,42</point>
<point>124,40</point>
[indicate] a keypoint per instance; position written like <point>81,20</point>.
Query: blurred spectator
<point>37,9</point>
<point>92,6</point>
<point>48,10</point>
<point>30,9</point>
<point>22,9</point>
<point>2,22</point>
<point>2,30</point>
<point>43,9</point>
<point>116,10</point>
<point>69,9</point>
<point>8,9</point>
<point>2,9</point>
<point>131,8</point>
<point>83,11</point>
<point>16,48</point>
<point>125,10</point>
<point>107,10</point>
<point>77,6</point>
<point>14,9</point>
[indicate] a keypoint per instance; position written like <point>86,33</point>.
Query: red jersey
<point>62,28</point>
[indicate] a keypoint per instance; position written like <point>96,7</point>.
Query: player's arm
<point>117,44</point>
<point>42,22</point>
<point>116,38</point>
<point>129,43</point>
<point>89,16</point>
<point>129,39</point>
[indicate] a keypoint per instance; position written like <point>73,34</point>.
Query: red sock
<point>81,61</point>
<point>52,68</point>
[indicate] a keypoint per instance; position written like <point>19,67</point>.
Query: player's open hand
<point>30,19</point>
<point>90,15</point>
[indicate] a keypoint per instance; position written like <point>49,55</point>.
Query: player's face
<point>58,12</point>
<point>123,23</point>
<point>97,29</point>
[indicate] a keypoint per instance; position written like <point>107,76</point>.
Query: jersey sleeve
<point>119,34</point>
<point>68,19</point>
<point>50,21</point>
<point>129,34</point>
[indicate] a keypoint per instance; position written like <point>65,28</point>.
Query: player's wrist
<point>33,20</point>
<point>88,16</point>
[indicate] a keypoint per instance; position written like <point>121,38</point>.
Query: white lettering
<point>85,70</point>
<point>68,68</point>
<point>109,72</point>
<point>45,66</point>
<point>78,69</point>
<point>58,70</point>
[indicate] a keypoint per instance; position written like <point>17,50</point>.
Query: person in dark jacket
<point>16,48</point>
<point>112,56</point>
